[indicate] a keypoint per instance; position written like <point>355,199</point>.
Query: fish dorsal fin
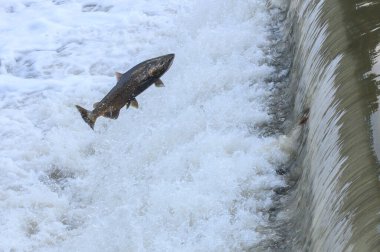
<point>134,103</point>
<point>159,83</point>
<point>118,75</point>
<point>95,104</point>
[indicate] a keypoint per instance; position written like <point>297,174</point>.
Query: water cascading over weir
<point>333,199</point>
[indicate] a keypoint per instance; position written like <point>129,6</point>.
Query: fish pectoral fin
<point>95,104</point>
<point>134,103</point>
<point>118,75</point>
<point>159,83</point>
<point>112,114</point>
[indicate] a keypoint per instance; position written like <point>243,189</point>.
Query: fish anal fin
<point>159,83</point>
<point>134,103</point>
<point>118,75</point>
<point>112,114</point>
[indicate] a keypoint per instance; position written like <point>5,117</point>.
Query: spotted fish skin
<point>129,85</point>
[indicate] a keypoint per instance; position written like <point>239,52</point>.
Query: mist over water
<point>190,170</point>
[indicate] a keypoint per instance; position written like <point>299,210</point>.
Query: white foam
<point>187,171</point>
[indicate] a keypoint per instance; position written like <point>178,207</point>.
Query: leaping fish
<point>128,86</point>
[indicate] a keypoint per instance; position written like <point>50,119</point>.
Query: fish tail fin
<point>87,116</point>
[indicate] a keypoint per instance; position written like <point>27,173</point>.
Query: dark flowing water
<point>333,200</point>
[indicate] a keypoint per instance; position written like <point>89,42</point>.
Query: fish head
<point>158,66</point>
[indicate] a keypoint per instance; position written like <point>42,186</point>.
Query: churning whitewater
<point>187,171</point>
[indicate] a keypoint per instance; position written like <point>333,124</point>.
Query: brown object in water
<point>305,117</point>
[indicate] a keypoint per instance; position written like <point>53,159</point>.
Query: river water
<point>190,170</point>
<point>216,160</point>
